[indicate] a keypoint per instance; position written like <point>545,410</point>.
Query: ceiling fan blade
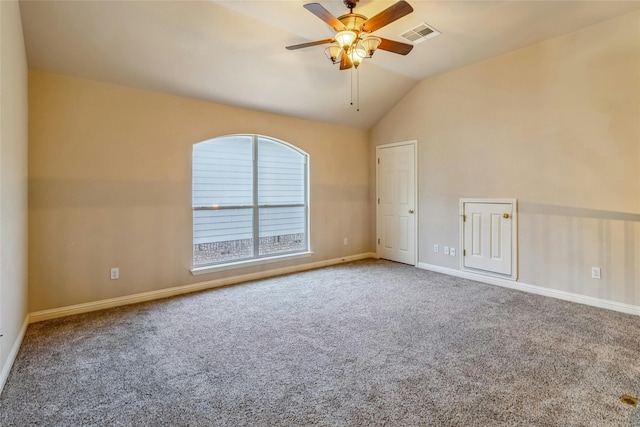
<point>387,16</point>
<point>345,61</point>
<point>322,13</point>
<point>300,46</point>
<point>395,47</point>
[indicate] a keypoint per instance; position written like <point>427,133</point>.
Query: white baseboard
<point>534,289</point>
<point>6,368</point>
<point>54,313</point>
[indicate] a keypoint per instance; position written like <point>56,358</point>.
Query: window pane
<point>282,230</point>
<point>222,235</point>
<point>243,175</point>
<point>223,172</point>
<point>281,174</point>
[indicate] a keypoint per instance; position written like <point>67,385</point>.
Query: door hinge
<point>378,200</point>
<point>378,241</point>
<point>464,252</point>
<point>464,218</point>
<point>378,160</point>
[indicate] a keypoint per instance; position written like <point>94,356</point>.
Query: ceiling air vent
<point>420,33</point>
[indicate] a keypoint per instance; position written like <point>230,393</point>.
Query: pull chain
<point>352,86</point>
<point>357,70</point>
<point>357,89</point>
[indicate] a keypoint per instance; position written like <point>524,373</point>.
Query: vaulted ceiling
<point>233,52</point>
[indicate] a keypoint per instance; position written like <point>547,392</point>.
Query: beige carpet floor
<point>366,343</point>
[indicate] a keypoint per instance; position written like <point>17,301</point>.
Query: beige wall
<point>555,125</point>
<point>110,186</point>
<point>13,182</point>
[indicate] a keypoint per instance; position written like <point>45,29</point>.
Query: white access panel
<point>489,236</point>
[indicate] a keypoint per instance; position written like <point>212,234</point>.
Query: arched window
<point>250,199</point>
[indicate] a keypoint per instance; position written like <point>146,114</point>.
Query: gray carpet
<point>366,343</point>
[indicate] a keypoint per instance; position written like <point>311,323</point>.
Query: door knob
<point>410,210</point>
<point>505,215</point>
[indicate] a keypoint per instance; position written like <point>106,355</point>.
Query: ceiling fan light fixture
<point>346,38</point>
<point>333,52</point>
<point>357,54</point>
<point>370,44</point>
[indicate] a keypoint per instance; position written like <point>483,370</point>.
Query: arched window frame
<point>302,249</point>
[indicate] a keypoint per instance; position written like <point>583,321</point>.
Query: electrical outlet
<point>436,248</point>
<point>115,273</point>
<point>452,251</point>
<point>446,250</point>
<point>595,272</point>
<point>345,241</point>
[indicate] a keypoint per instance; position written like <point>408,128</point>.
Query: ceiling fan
<point>353,41</point>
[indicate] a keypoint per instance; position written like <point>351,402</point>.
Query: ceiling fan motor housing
<point>351,4</point>
<point>352,21</point>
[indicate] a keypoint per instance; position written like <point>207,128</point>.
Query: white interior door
<point>488,242</point>
<point>396,213</point>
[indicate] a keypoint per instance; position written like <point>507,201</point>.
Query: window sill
<point>196,271</point>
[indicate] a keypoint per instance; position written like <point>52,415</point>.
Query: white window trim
<point>196,271</point>
<point>205,269</point>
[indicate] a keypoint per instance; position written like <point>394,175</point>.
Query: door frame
<point>514,237</point>
<point>416,228</point>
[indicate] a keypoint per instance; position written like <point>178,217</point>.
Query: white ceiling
<point>233,52</point>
